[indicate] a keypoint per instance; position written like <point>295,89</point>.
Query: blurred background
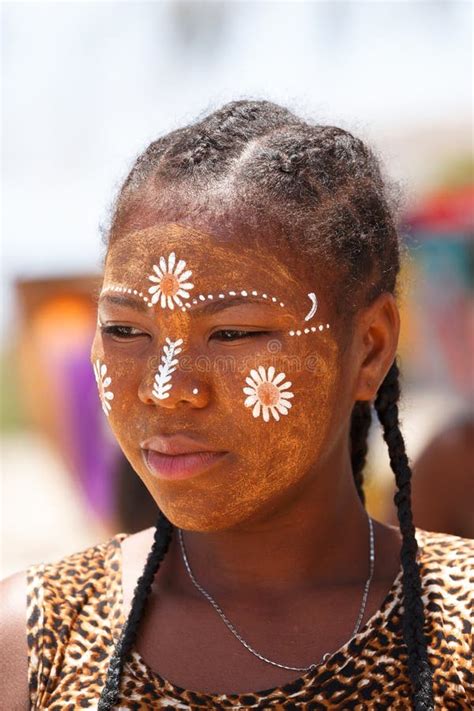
<point>85,87</point>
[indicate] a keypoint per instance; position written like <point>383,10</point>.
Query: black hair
<point>161,542</point>
<point>321,188</point>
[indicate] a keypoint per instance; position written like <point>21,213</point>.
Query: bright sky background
<point>87,85</point>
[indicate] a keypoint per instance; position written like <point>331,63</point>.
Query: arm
<point>13,643</point>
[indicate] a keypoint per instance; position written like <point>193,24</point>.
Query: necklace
<point>239,637</point>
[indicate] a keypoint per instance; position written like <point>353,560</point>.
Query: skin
<point>277,535</point>
<point>447,458</point>
<point>257,478</point>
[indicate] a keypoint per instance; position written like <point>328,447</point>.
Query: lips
<point>178,456</point>
<point>176,444</point>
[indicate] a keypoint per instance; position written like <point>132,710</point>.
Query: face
<point>229,344</point>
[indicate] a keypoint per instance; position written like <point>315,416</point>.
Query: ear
<point>376,339</point>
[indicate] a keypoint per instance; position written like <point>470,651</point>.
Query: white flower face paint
<point>103,381</point>
<point>170,282</point>
<point>267,394</point>
<point>162,385</point>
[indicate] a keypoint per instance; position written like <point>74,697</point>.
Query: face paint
<point>232,292</point>
<point>311,313</point>
<point>103,382</point>
<point>313,329</point>
<point>244,291</point>
<point>118,288</point>
<point>265,390</point>
<point>171,282</point>
<point>162,385</point>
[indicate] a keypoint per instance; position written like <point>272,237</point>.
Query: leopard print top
<point>75,616</point>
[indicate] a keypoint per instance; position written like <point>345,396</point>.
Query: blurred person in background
<point>443,481</point>
<point>441,228</point>
<point>265,581</point>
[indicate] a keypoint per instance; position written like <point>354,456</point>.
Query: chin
<point>207,516</point>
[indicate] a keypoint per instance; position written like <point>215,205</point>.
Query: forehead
<point>213,260</point>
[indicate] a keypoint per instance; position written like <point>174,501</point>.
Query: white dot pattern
<point>126,290</point>
<point>313,329</point>
<point>188,305</point>
<point>221,295</point>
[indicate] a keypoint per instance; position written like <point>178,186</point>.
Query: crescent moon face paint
<point>196,334</point>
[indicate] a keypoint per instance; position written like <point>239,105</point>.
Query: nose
<point>167,383</point>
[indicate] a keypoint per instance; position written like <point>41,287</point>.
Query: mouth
<point>180,466</point>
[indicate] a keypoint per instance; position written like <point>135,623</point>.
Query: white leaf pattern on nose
<point>162,384</point>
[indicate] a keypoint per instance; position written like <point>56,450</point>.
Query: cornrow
<point>386,406</point>
<point>322,189</point>
<point>162,538</point>
<point>212,142</point>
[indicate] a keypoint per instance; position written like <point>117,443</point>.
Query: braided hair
<point>161,542</point>
<point>320,188</point>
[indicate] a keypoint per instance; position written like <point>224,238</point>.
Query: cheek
<point>125,419</point>
<point>287,414</point>
<point>268,455</point>
<point>272,413</point>
<point>285,395</point>
<point>117,378</point>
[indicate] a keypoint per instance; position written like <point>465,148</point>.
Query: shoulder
<point>13,663</point>
<point>54,607</point>
<point>447,573</point>
<point>75,585</point>
<point>73,572</point>
<point>62,587</point>
<point>447,584</point>
<point>447,553</point>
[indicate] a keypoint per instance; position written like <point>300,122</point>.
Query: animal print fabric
<point>74,617</point>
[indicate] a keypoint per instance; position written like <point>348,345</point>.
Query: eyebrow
<point>120,300</point>
<point>207,307</point>
<point>211,307</point>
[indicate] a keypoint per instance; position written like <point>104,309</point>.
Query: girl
<point>246,325</point>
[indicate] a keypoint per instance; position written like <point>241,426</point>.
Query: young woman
<point>246,324</point>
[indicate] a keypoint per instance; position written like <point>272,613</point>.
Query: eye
<point>233,335</point>
<point>122,333</point>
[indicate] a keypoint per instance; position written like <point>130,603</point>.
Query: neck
<point>318,538</point>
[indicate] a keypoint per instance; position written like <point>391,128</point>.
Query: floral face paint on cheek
<point>169,363</point>
<point>103,382</point>
<point>267,394</point>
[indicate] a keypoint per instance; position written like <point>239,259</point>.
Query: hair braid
<point>419,669</point>
<point>162,538</point>
<point>361,420</point>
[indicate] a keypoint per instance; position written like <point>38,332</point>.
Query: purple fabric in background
<point>95,451</point>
